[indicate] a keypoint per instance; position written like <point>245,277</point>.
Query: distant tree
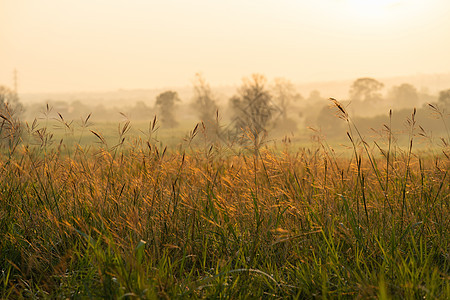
<point>284,93</point>
<point>426,96</point>
<point>204,101</point>
<point>104,113</point>
<point>252,105</point>
<point>165,103</point>
<point>9,100</point>
<point>314,104</point>
<point>444,99</point>
<point>329,122</point>
<point>79,109</point>
<point>141,111</point>
<point>10,111</point>
<point>404,96</point>
<point>365,90</point>
<point>314,96</point>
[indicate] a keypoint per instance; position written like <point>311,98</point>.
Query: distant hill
<point>430,83</point>
<point>339,89</point>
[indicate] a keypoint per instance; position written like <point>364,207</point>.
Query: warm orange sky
<point>87,45</point>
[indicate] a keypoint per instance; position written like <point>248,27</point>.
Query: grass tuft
<point>142,220</point>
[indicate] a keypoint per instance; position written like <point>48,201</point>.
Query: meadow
<point>121,216</point>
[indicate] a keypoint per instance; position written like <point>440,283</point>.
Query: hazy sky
<point>86,45</point>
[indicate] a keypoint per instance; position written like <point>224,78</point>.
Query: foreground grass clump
<point>138,220</point>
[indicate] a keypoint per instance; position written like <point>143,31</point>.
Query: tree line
<point>256,107</point>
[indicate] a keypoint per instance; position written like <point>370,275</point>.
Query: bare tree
<point>204,101</point>
<point>284,93</point>
<point>252,105</point>
<point>165,103</point>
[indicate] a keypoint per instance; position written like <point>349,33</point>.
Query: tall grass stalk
<point>142,220</point>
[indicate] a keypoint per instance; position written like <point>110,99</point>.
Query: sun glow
<point>372,9</point>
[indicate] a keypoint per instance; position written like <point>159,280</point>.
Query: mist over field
<point>112,60</point>
<point>300,110</point>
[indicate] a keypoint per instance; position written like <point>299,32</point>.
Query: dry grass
<point>138,220</point>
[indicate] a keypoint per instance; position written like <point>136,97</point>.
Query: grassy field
<point>125,217</point>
